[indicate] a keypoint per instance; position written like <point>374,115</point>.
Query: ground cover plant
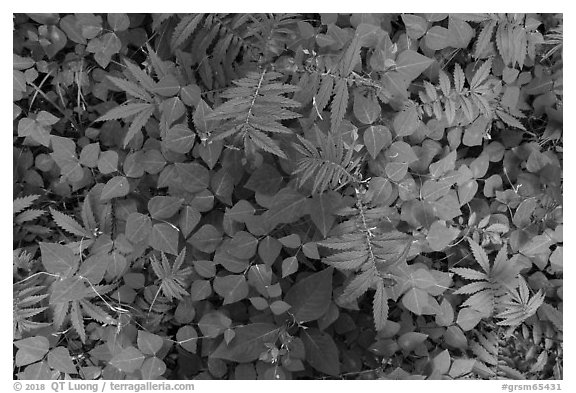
<point>287,196</point>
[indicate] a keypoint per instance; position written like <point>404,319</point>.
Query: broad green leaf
<point>73,29</point>
<point>133,164</point>
<point>538,244</point>
<point>129,360</point>
<point>439,236</point>
<point>460,32</point>
<point>200,290</point>
<point>321,351</point>
<point>179,139</point>
<point>268,249</point>
<point>189,218</point>
<point>190,94</point>
<point>210,152</point>
<point>67,290</point>
<point>232,288</point>
<point>222,185</point>
<point>279,307</point>
<point>288,205</point>
<point>416,26</point>
<point>446,164</point>
<point>152,368</point>
<point>479,166</point>
<point>171,110</point>
<point>94,267</point>
<point>410,340</point>
<point>467,191</point>
<point>455,338</point>
<point>108,162</point>
<point>153,161</point>
<point>322,210</point>
<point>59,359</point>
<point>118,22</point>
<point>311,296</point>
<point>411,64</point>
<point>205,268</point>
<point>401,151</point>
<point>445,316</point>
<point>117,187</point>
<point>248,343</point>
<point>58,259</point>
<point>185,311</point>
<point>64,154</point>
<point>447,207</point>
<point>376,138</point>
<point>407,121</point>
<point>164,207</point>
<point>396,171</point>
<point>164,237</point>
<point>206,239</point>
<point>418,301</point>
<point>259,303</point>
<point>266,180</point>
<point>241,211</point>
<point>138,227</point>
<point>243,245</point>
<point>441,363</point>
<point>289,266</point>
<point>434,189</point>
<point>91,25</point>
<point>556,259</point>
<point>366,109</point>
<point>214,323</point>
<point>21,63</point>
<point>201,121</point>
<point>39,370</point>
<point>149,343</point>
<point>167,86</point>
<point>461,367</point>
<point>438,38</point>
<point>31,350</point>
<point>380,191</point>
<point>468,318</point>
<point>194,177</point>
<point>231,262</point>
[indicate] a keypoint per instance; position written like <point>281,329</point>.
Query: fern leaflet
<point>370,253</point>
<point>255,107</point>
<point>331,165</point>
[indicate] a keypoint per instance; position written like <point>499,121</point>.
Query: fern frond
<point>368,253</point>
<point>184,29</point>
<point>332,166</point>
<point>255,108</point>
<point>339,104</point>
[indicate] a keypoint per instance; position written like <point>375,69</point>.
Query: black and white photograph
<point>317,196</point>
